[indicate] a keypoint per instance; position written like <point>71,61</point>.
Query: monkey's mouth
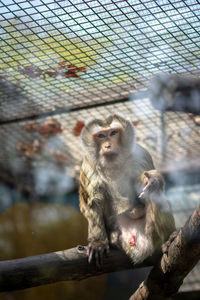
<point>110,154</point>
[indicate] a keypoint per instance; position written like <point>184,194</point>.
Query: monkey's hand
<point>96,250</point>
<point>154,183</point>
<point>136,213</point>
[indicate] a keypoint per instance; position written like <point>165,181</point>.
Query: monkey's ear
<point>121,119</point>
<point>120,115</point>
<point>88,121</point>
<point>129,137</point>
<point>91,123</point>
<point>115,116</point>
<point>86,141</point>
<point>88,144</point>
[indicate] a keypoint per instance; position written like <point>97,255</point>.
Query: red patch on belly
<point>132,241</point>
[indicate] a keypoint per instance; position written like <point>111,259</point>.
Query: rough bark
<point>181,254</point>
<point>64,265</point>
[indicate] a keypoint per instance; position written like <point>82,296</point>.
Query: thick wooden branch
<point>181,254</point>
<point>64,265</point>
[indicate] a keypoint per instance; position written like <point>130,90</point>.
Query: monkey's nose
<point>107,146</point>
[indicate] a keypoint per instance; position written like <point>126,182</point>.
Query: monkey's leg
<point>125,218</point>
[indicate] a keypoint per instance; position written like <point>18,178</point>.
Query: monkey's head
<point>108,140</point>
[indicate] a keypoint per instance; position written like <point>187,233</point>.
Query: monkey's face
<point>108,141</point>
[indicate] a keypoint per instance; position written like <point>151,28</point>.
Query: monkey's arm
<point>92,205</point>
<point>159,218</point>
<point>149,178</point>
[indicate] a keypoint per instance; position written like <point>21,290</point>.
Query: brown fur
<point>108,194</point>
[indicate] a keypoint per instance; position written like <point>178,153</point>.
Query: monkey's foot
<point>96,250</point>
<point>132,241</point>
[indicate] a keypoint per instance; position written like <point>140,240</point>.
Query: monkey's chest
<point>125,194</point>
<point>125,186</point>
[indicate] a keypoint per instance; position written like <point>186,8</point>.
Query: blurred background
<point>62,62</point>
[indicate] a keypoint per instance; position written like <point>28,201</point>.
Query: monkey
<point>121,194</point>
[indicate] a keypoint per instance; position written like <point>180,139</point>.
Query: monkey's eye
<point>101,136</point>
<point>114,132</point>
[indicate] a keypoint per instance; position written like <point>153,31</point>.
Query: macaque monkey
<point>121,193</point>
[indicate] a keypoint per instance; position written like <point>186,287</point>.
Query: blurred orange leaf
<point>78,127</point>
<point>31,126</point>
<point>50,128</point>
<point>136,123</point>
<point>31,149</point>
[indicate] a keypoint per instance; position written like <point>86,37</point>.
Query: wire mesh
<point>80,53</point>
<point>182,135</point>
<point>62,62</point>
<point>59,57</point>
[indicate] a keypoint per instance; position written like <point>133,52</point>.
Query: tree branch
<point>64,265</point>
<point>181,254</point>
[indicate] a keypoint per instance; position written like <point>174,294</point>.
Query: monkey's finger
<point>141,195</point>
<point>144,191</point>
<point>101,252</point>
<point>91,254</point>
<point>97,259</point>
<point>146,187</point>
<point>107,250</point>
<point>88,250</point>
<point>146,174</point>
